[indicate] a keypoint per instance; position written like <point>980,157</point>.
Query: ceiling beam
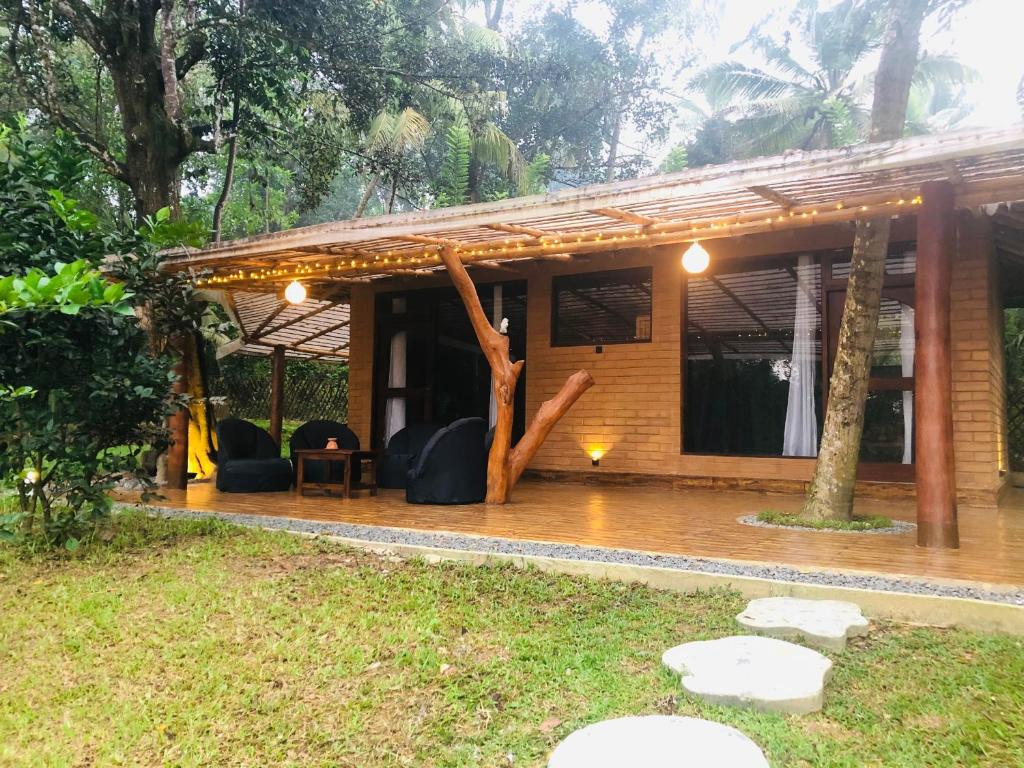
<point>628,216</point>
<point>773,196</point>
<point>519,229</point>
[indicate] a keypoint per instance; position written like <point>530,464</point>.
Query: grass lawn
<point>199,643</point>
<point>873,523</point>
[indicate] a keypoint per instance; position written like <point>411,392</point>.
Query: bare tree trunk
<point>613,148</point>
<point>367,194</point>
<point>505,464</point>
<point>492,11</point>
<point>830,495</point>
<point>229,179</point>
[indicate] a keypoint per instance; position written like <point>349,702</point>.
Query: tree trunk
<point>225,192</point>
<point>613,148</point>
<point>830,495</point>
<point>505,464</point>
<point>367,194</point>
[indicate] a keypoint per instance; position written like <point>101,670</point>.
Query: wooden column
<point>933,380</point>
<point>177,453</point>
<point>276,392</point>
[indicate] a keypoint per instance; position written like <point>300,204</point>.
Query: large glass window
<point>601,308</point>
<point>753,359</point>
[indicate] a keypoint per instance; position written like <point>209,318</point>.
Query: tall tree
<point>810,96</point>
<point>831,493</point>
<point>175,68</point>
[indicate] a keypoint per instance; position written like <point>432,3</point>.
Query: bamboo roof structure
<point>794,190</point>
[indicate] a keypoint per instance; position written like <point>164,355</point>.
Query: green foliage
<point>453,188</point>
<point>675,160</point>
<point>82,395</point>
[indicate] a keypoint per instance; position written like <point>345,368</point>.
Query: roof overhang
<point>798,189</point>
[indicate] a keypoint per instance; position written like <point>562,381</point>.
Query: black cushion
<point>401,449</point>
<point>249,460</point>
<point>314,434</point>
<point>452,467</point>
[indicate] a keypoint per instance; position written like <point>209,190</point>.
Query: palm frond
<point>492,146</point>
<point>728,82</point>
<point>942,70</point>
<point>395,134</point>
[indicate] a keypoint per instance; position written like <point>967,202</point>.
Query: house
<point>710,378</point>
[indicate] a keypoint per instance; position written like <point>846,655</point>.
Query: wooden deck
<point>696,523</point>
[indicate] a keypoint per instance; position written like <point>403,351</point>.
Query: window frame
<point>876,471</point>
<point>557,281</point>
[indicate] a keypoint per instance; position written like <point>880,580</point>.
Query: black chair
<point>393,470</point>
<point>248,459</point>
<point>314,434</point>
<point>452,467</point>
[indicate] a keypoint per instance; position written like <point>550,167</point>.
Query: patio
<point>693,523</point>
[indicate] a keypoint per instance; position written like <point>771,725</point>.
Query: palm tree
<point>818,98</point>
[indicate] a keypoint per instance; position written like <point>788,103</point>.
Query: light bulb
<point>295,293</point>
<point>696,259</point>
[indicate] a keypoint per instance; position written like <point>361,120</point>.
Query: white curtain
<point>492,413</point>
<point>801,435</point>
<point>394,409</point>
<point>907,359</point>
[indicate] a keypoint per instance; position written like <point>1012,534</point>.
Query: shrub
<point>82,392</point>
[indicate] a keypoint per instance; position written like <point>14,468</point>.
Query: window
<point>601,308</point>
<point>753,360</point>
<point>760,340</point>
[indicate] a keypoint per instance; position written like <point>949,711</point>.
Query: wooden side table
<point>344,455</point>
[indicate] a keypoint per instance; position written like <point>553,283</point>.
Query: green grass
<point>191,643</point>
<point>858,523</point>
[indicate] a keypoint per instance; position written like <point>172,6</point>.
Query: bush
<point>81,392</point>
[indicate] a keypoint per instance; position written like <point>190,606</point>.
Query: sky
<point>987,36</point>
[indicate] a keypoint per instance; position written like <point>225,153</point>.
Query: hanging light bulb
<point>295,292</point>
<point>696,259</point>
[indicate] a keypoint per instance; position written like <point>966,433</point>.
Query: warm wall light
<point>595,456</point>
<point>295,293</point>
<point>696,259</point>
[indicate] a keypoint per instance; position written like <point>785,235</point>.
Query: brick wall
<point>632,412</point>
<point>979,380</point>
<point>360,363</point>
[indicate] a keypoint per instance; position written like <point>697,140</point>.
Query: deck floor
<point>695,523</point>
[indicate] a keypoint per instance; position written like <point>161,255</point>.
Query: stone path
<point>657,741</point>
<point>822,623</point>
<point>760,672</point>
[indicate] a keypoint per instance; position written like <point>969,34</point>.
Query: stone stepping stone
<point>657,741</point>
<point>823,623</point>
<point>747,671</point>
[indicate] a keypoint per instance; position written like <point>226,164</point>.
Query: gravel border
<point>898,526</point>
<point>495,545</point>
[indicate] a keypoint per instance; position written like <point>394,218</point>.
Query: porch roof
<point>797,189</point>
<point>794,190</point>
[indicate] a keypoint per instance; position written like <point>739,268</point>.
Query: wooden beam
<point>270,318</point>
<point>288,323</point>
<point>934,469</point>
<point>627,216</point>
<point>324,332</point>
<point>430,240</point>
<point>519,229</point>
<point>773,196</point>
<point>277,366</point>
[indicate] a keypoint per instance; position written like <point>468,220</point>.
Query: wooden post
<point>177,423</point>
<point>933,378</point>
<point>276,392</point>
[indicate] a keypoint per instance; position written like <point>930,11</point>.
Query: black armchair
<point>393,471</point>
<point>452,467</point>
<point>249,460</point>
<point>314,434</point>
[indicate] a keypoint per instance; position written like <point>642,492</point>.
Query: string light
<point>499,248</point>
